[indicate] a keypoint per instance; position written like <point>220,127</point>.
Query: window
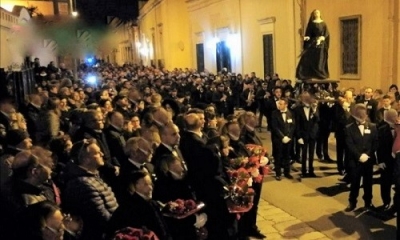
<point>200,56</point>
<point>350,39</point>
<point>268,49</point>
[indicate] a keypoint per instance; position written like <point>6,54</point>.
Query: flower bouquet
<point>239,196</point>
<point>130,233</point>
<point>180,208</point>
<point>258,161</point>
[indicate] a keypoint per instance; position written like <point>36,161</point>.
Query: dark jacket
<point>250,137</point>
<point>116,142</point>
<point>306,129</point>
<point>88,196</point>
<point>166,189</point>
<point>358,144</point>
<point>280,128</point>
<point>386,139</point>
<point>139,213</point>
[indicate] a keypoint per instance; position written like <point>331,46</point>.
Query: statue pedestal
<point>317,88</point>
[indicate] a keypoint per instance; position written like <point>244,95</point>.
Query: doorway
<point>223,57</point>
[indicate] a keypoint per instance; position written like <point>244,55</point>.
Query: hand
<point>201,220</point>
<point>225,151</point>
<point>286,139</point>
<point>382,165</point>
<point>306,38</point>
<point>363,158</point>
<point>116,171</point>
<point>250,182</point>
<point>264,161</point>
<point>300,141</point>
<point>318,42</point>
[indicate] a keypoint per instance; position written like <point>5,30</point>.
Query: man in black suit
<point>370,103</point>
<point>386,134</point>
<point>271,105</point>
<point>283,127</point>
<point>261,96</point>
<point>138,154</point>
<point>386,105</point>
<point>248,96</point>
<point>307,118</point>
<point>220,99</point>
<point>140,211</point>
<point>362,143</point>
<point>324,127</point>
<point>115,136</point>
<point>342,118</point>
<point>170,138</point>
<point>203,168</point>
<point>397,195</point>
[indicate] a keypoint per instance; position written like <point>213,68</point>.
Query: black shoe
<point>369,207</point>
<point>278,178</point>
<point>345,179</point>
<point>288,176</point>
<point>350,207</point>
<point>386,207</point>
<point>304,175</point>
<point>255,232</point>
<point>312,175</point>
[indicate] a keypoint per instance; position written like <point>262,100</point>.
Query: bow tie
<point>283,112</point>
<point>358,123</point>
<point>142,166</point>
<point>307,106</point>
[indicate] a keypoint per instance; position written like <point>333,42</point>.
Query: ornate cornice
<point>193,5</point>
<point>266,20</point>
<point>150,5</point>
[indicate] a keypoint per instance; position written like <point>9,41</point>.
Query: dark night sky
<point>96,11</point>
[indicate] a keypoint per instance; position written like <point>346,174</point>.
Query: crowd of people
<point>86,157</point>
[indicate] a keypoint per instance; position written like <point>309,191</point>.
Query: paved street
<point>314,205</point>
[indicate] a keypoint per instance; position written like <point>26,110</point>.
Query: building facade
<point>265,36</point>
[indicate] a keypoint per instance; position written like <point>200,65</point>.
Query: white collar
<point>5,114</point>
<point>200,134</point>
<point>167,146</point>
<point>138,165</point>
<point>143,196</point>
<point>119,129</point>
<point>251,129</point>
<point>36,106</point>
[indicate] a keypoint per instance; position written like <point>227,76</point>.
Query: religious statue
<point>313,62</point>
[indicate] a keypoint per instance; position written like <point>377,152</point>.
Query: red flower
<point>190,205</point>
<point>180,202</point>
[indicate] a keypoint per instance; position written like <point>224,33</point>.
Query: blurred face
<point>118,120</point>
<point>145,187</point>
<point>105,95</point>
<point>107,106</point>
<point>252,121</point>
<point>368,93</point>
<point>282,105</point>
<point>201,120</point>
<point>213,122</point>
<point>393,89</point>
<point>234,131</point>
<point>63,103</point>
<point>96,155</point>
<point>68,146</point>
<point>42,173</point>
<point>386,102</point>
<point>135,122</point>
<point>26,144</point>
<point>98,121</point>
<point>171,136</point>
<point>317,14</point>
<point>362,114</point>
<point>278,93</point>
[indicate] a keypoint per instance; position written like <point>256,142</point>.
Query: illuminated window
<point>350,29</point>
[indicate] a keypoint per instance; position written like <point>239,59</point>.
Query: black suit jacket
<point>162,151</point>
<point>250,137</point>
<point>280,128</point>
<point>116,142</point>
<point>372,108</point>
<point>4,121</point>
<point>358,144</point>
<point>203,166</point>
<point>341,119</point>
<point>306,129</point>
<point>139,213</point>
<point>386,139</point>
